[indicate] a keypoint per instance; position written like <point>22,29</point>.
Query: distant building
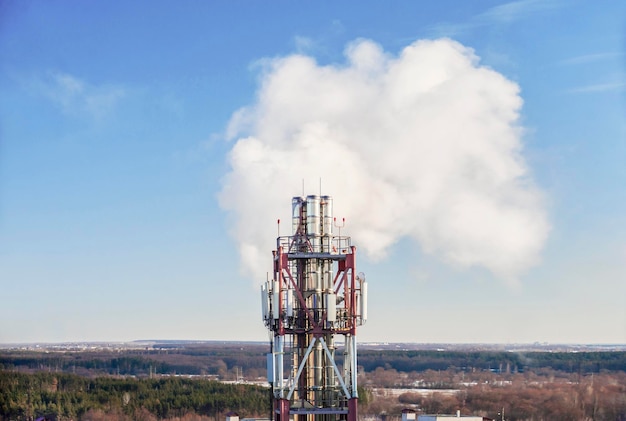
<point>408,414</point>
<point>232,416</point>
<point>451,417</point>
<point>440,417</point>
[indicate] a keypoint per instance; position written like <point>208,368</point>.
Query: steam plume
<point>425,145</point>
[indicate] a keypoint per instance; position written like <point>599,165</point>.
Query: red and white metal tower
<point>314,296</point>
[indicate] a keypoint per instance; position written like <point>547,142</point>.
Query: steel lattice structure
<point>315,295</point>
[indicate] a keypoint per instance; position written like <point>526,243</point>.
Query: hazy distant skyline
<point>476,150</point>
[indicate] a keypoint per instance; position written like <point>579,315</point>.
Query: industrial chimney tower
<point>314,296</point>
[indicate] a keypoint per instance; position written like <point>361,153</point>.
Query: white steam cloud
<point>425,145</point>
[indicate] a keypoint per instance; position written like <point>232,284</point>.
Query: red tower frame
<point>315,295</point>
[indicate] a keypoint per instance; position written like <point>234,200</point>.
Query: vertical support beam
<point>278,366</point>
<point>353,410</point>
<point>283,410</point>
<point>281,281</point>
<point>353,381</point>
<point>354,398</point>
<point>347,362</point>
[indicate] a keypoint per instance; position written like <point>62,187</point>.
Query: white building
<point>451,417</point>
<point>232,416</point>
<point>408,414</point>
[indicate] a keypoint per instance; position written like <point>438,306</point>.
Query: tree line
<point>252,361</point>
<point>68,396</point>
<point>501,362</point>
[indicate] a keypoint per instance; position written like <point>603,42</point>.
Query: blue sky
<point>119,216</point>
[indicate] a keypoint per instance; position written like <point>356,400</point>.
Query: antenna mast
<point>314,296</point>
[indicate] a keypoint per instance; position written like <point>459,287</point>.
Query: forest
<point>204,382</point>
<point>70,397</point>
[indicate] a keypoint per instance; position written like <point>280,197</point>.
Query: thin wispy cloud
<point>599,88</point>
<point>320,44</point>
<point>592,58</point>
<point>502,14</point>
<point>516,10</point>
<point>612,82</point>
<point>449,29</point>
<point>303,44</point>
<point>76,96</point>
